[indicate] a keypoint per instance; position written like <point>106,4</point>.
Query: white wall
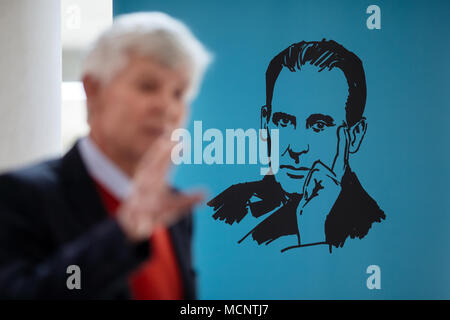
<point>30,81</point>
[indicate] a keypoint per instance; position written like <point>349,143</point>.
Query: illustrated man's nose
<point>295,150</point>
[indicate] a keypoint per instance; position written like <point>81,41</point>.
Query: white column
<point>30,81</point>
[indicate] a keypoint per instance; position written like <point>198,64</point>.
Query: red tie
<point>158,278</point>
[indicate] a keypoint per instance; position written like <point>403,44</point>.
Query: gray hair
<point>150,34</point>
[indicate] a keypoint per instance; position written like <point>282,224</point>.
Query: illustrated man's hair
<point>325,55</point>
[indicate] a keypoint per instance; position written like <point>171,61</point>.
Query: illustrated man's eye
<point>319,122</point>
<point>318,126</point>
<point>283,120</point>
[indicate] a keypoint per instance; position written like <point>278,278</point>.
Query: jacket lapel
<point>80,189</point>
<point>87,205</point>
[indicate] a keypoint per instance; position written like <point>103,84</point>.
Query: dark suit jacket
<point>352,215</point>
<point>51,216</point>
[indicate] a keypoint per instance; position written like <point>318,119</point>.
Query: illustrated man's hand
<point>152,203</point>
<point>321,189</point>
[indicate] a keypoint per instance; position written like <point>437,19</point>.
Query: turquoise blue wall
<point>403,163</point>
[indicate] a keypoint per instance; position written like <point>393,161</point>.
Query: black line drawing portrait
<point>315,97</point>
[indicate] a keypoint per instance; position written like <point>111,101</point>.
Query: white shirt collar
<point>103,170</point>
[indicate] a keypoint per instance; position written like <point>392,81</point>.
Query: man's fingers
<point>140,217</point>
<point>154,152</point>
<point>341,158</point>
<point>157,151</point>
<point>308,184</point>
<point>178,205</point>
<point>317,178</point>
<point>158,157</point>
<point>154,167</point>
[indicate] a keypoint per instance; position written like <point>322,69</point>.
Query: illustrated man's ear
<point>264,117</point>
<point>357,132</point>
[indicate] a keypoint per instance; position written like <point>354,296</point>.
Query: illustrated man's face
<point>143,101</point>
<point>307,107</point>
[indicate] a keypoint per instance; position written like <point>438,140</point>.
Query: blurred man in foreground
<point>104,210</point>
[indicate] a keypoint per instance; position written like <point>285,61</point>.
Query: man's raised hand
<point>321,189</point>
<point>152,202</point>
